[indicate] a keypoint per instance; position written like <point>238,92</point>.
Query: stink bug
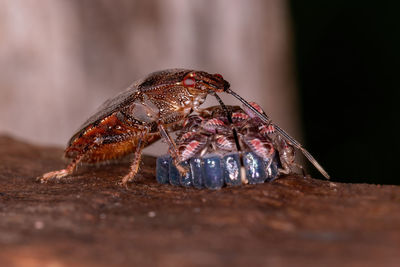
<point>145,112</point>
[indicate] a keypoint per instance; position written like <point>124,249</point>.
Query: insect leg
<point>67,171</point>
<point>173,149</point>
<point>136,158</point>
<point>301,168</point>
<point>229,116</point>
<point>264,117</point>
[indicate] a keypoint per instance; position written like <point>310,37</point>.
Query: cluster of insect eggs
<point>212,161</point>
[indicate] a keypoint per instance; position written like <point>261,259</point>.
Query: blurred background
<point>325,72</point>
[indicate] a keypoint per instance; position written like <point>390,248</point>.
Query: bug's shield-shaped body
<point>149,109</point>
<point>139,116</point>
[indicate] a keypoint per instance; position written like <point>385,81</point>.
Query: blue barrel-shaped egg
<point>186,180</point>
<point>196,167</point>
<point>174,175</point>
<point>212,171</point>
<point>255,168</point>
<point>273,169</point>
<point>162,169</point>
<point>231,169</point>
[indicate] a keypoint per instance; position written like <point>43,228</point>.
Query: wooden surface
<point>88,220</point>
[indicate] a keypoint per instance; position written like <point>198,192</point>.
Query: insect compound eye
<point>189,81</point>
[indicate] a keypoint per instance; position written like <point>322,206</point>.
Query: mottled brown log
<point>89,220</point>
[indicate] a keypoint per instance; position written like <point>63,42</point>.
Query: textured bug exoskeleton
<point>147,111</point>
<point>139,116</point>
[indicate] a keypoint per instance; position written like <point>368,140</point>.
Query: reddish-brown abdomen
<point>110,138</point>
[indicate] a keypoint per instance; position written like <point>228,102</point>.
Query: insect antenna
<point>264,117</point>
<point>229,116</point>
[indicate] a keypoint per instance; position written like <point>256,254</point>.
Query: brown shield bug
<point>149,109</point>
